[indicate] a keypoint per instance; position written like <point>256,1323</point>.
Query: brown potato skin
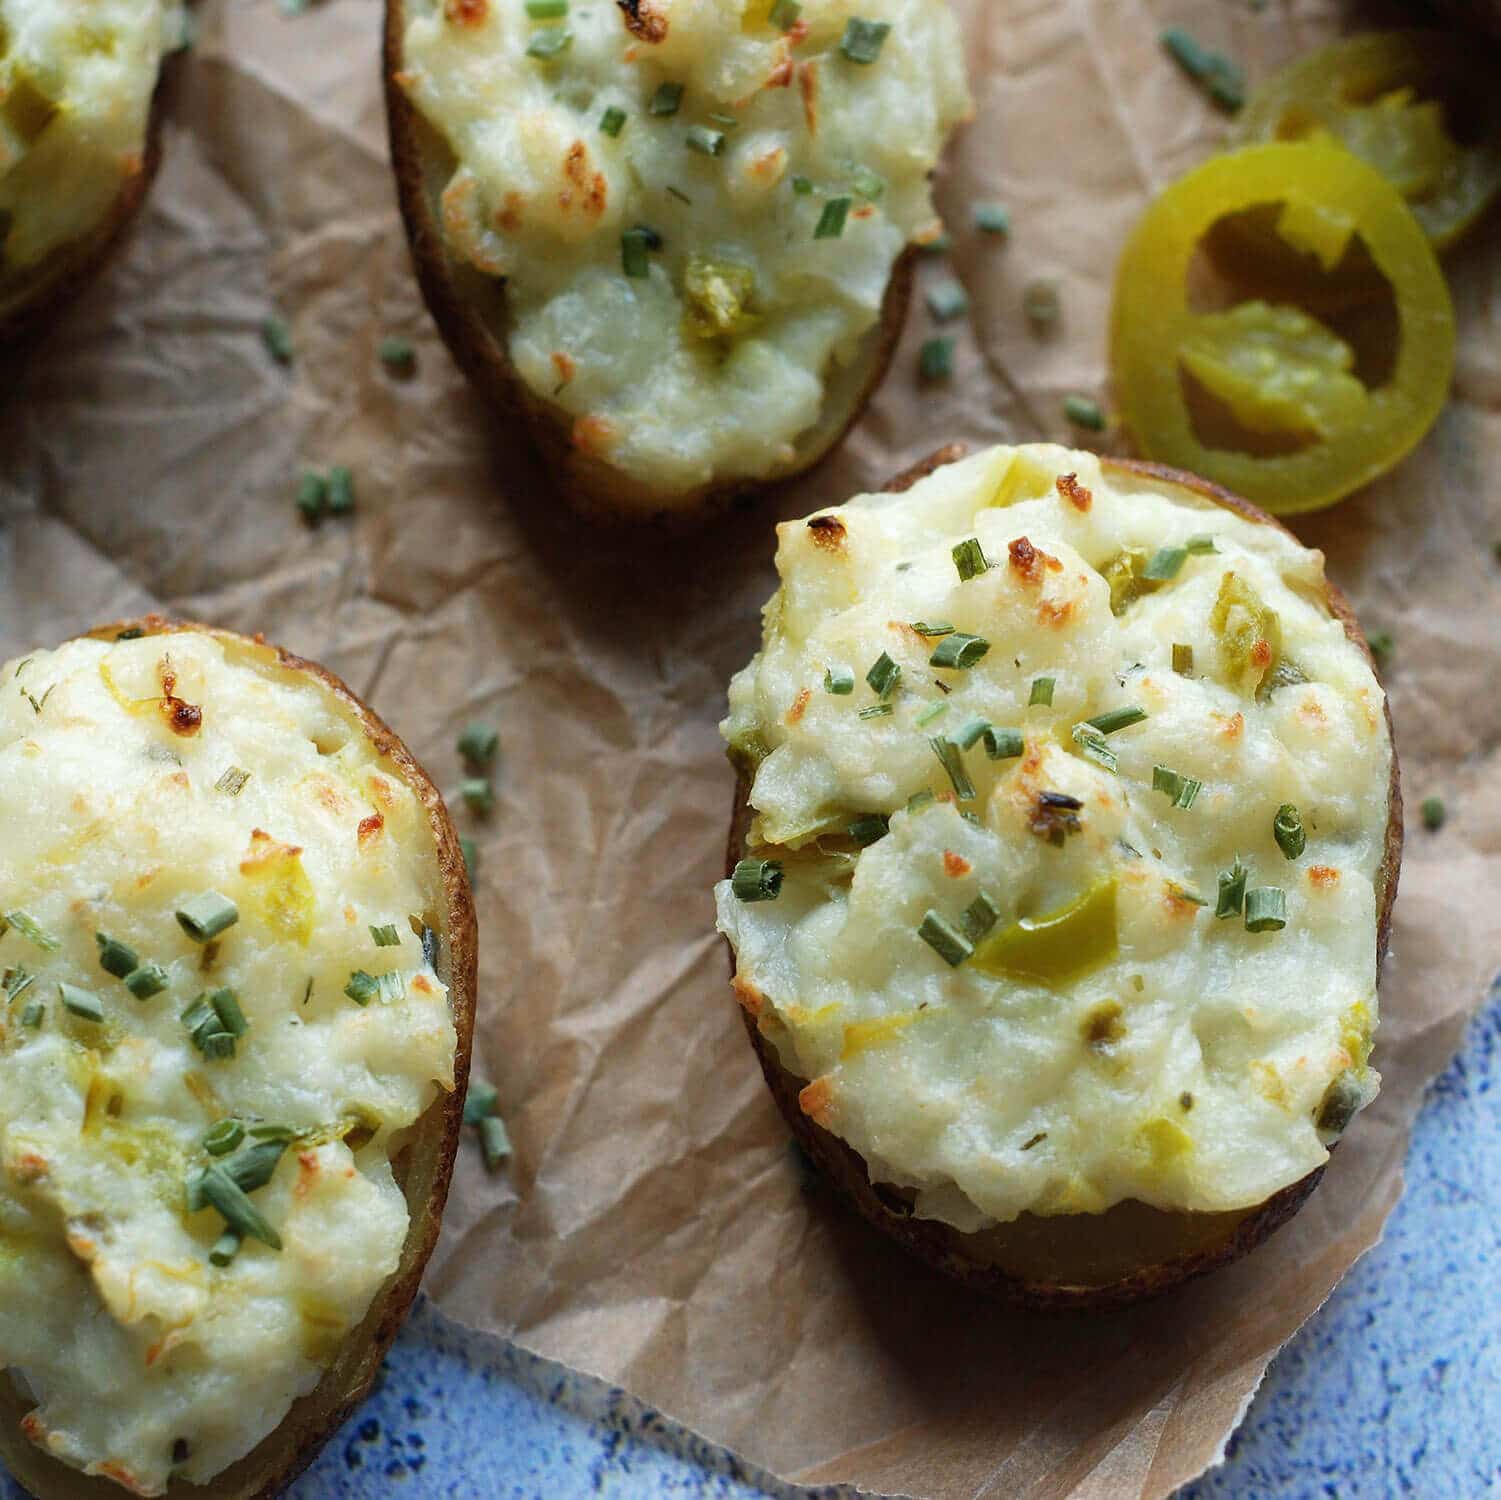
<point>1073,1261</point>
<point>470,313</point>
<point>423,1169</point>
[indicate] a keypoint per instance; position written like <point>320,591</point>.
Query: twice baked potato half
<point>1061,870</point>
<point>237,966</point>
<point>80,139</point>
<point>673,238</point>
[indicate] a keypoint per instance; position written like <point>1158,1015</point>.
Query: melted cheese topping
<point>1143,1048</point>
<point>76,80</point>
<point>112,816</point>
<point>662,389</point>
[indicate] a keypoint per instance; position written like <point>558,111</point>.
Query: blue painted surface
<point>1393,1389</point>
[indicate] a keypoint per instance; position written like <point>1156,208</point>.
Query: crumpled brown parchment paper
<point>651,1227</point>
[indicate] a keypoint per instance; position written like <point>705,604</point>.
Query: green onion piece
<point>830,224</point>
<point>546,10</point>
<point>839,680</point>
<point>1092,745</point>
<point>1041,303</point>
<point>1004,744</point>
<point>952,762</point>
<point>1118,718</point>
<point>1200,544</point>
<point>883,676</point>
<point>222,1137</point>
<point>979,917</point>
<point>478,744</point>
<point>1266,909</point>
<point>216,1046</point>
<point>1382,643</point>
<point>802,186</point>
<point>931,712</point>
<point>1164,564</point>
<point>862,40</point>
<point>225,1248</point>
<point>232,782</point>
<point>875,711</point>
<point>470,850</point>
<point>870,185</point>
<point>705,141</point>
<point>398,355</point>
<point>494,1141</point>
<point>1182,790</point>
<point>969,558</point>
<point>612,121</point>
<point>1434,813</point>
<point>1212,71</point>
<point>13,981</point>
<point>227,1007</point>
<point>148,980</point>
<point>935,359</point>
<point>757,880</point>
<point>549,42</point>
<point>1042,692</point>
<point>946,941</point>
<point>312,494</point>
<point>115,957</point>
<point>870,829</point>
<point>993,218</point>
<point>1083,412</point>
<point>1232,896</point>
<point>340,491</point>
<point>255,1166</point>
<point>33,1013</point>
<point>959,652</point>
<point>80,1002</point>
<point>479,1101</point>
<point>195,1199</point>
<point>386,935</point>
<point>282,1134</point>
<point>971,731</point>
<point>236,1209</point>
<point>362,987</point>
<point>1287,829</point>
<point>276,334</point>
<point>936,628</point>
<point>206,916</point>
<point>30,929</point>
<point>666,99</point>
<point>1183,658</point>
<point>634,247</point>
<point>946,300</point>
<point>478,795</point>
<point>785,13</point>
<point>920,800</point>
<point>200,1016</point>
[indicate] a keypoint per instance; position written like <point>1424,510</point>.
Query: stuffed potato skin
<point>1068,1261</point>
<point>423,1166</point>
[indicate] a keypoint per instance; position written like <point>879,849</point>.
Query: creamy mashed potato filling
<point>218,903</point>
<point>1030,963</point>
<point>76,80</point>
<point>651,180</point>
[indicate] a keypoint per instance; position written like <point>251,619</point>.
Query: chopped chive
<point>398,355</point>
<point>830,224</point>
<point>478,744</point>
<point>1083,412</point>
<point>312,494</point>
<point>479,1101</point>
<point>80,1002</point>
<point>1266,909</point>
<point>802,186</point>
<point>1434,813</point>
<point>635,245</point>
<point>255,1166</point>
<point>227,1008</point>
<point>549,42</point>
<point>284,1134</point>
<point>959,651</point>
<point>236,1209</point>
<point>883,676</point>
<point>946,300</point>
<point>1182,790</point>
<point>875,711</point>
<point>1164,564</point>
<point>362,987</point>
<point>870,185</point>
<point>1220,78</point>
<point>993,218</point>
<point>30,929</point>
<point>1092,745</point>
<point>870,829</point>
<point>1000,744</point>
<point>931,712</point>
<point>1232,893</point>
<point>970,732</point>
<point>116,957</point>
<point>494,1141</point>
<point>225,1248</point>
<point>757,880</point>
<point>340,490</point>
<point>705,141</point>
<point>1382,643</point>
<point>1042,692</point>
<point>148,980</point>
<point>232,782</point>
<point>935,628</point>
<point>33,1013</point>
<point>919,800</point>
<point>935,359</point>
<point>216,1046</point>
<point>386,935</point>
<point>938,244</point>
<point>612,121</point>
<point>678,193</point>
<point>979,917</point>
<point>839,681</point>
<point>13,981</point>
<point>785,13</point>
<point>276,334</point>
<point>1041,303</point>
<point>1118,718</point>
<point>206,916</point>
<point>666,99</point>
<point>862,40</point>
<point>1183,658</point>
<point>470,850</point>
<point>546,10</point>
<point>969,558</point>
<point>946,941</point>
<point>952,762</point>
<point>478,795</point>
<point>1200,544</point>
<point>222,1137</point>
<point>1287,829</point>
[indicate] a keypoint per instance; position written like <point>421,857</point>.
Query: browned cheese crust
<point>1069,1261</point>
<point>423,1166</point>
<point>470,311</point>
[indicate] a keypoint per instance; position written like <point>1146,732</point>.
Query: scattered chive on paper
<point>947,300</point>
<point>992,218</point>
<point>1434,813</point>
<point>1287,829</point>
<point>945,940</point>
<point>470,851</point>
<point>1083,412</point>
<point>1382,643</point>
<point>276,334</point>
<point>340,491</point>
<point>757,880</point>
<point>1042,692</point>
<point>398,355</point>
<point>206,916</point>
<point>830,224</point>
<point>478,795</point>
<point>312,494</point>
<point>839,680</point>
<point>935,360</point>
<point>479,1101</point>
<point>1042,303</point>
<point>494,1141</point>
<point>1220,78</point>
<point>478,743</point>
<point>862,40</point>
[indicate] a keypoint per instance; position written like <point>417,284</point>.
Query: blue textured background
<point>1394,1388</point>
